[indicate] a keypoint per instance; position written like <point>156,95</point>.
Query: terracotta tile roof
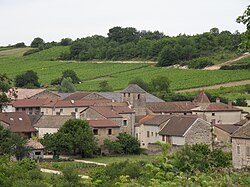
<point>242,132</point>
<point>229,128</point>
<point>107,112</point>
<point>34,144</point>
<point>171,107</point>
<point>178,125</point>
<point>17,121</point>
<point>138,118</point>
<point>99,123</point>
<point>76,103</point>
<point>215,107</point>
<point>247,116</point>
<point>37,102</point>
<point>145,119</point>
<point>114,104</point>
<point>201,97</point>
<point>241,122</point>
<point>50,121</point>
<point>133,88</point>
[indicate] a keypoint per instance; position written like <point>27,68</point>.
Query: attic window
<point>138,96</point>
<point>213,114</point>
<point>11,119</point>
<point>20,119</point>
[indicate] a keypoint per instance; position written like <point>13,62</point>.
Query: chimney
<point>217,100</point>
<point>230,104</point>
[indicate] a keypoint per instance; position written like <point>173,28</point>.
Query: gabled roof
<point>36,102</point>
<point>210,107</point>
<point>24,93</point>
<point>243,132</point>
<point>155,119</point>
<point>133,88</point>
<point>106,112</point>
<point>178,125</point>
<point>102,123</point>
<point>55,121</point>
<point>229,128</point>
<point>17,121</point>
<point>170,107</point>
<point>247,116</point>
<point>77,96</point>
<point>34,144</point>
<point>201,97</point>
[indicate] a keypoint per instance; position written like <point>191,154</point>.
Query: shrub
<point>200,63</point>
<point>31,51</point>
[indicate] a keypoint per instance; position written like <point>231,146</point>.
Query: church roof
<point>201,97</point>
<point>133,88</point>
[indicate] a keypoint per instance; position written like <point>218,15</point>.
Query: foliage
<point>31,51</point>
<point>37,42</point>
<point>240,102</point>
<point>245,19</point>
<point>29,79</point>
<point>67,86</point>
<point>236,66</point>
<point>167,57</point>
<point>12,144</point>
<point>5,83</point>
<point>19,45</point>
<point>75,136</point>
<point>105,87</point>
<point>56,81</point>
<point>66,41</point>
<point>200,63</point>
<point>125,144</point>
<point>140,82</point>
<point>72,74</point>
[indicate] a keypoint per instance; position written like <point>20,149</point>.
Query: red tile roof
<point>99,123</point>
<point>77,96</point>
<point>201,97</point>
<point>243,132</point>
<point>107,112</point>
<point>78,103</point>
<point>17,121</point>
<point>34,144</point>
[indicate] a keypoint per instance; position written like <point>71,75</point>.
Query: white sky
<point>23,20</point>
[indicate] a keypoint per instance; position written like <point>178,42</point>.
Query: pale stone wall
<point>229,117</point>
<point>240,159</point>
<point>221,135</point>
<point>199,132</point>
<point>130,127</point>
<point>43,131</point>
<point>103,134</point>
<point>178,140</point>
<point>91,114</point>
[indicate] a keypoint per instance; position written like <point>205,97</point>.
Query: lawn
<point>110,159</point>
<point>117,74</point>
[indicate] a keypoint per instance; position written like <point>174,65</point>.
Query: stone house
<point>176,130</point>
<point>18,122</point>
<point>36,149</point>
<point>122,115</point>
<point>104,129</point>
<point>49,124</point>
<point>241,147</point>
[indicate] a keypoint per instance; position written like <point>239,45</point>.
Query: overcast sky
<point>23,20</point>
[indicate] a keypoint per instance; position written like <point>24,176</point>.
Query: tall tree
<point>245,19</point>
<point>5,83</point>
<point>67,86</point>
<point>29,79</point>
<point>72,74</point>
<point>37,42</point>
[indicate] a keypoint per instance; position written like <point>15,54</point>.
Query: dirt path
<point>218,66</point>
<point>90,162</point>
<point>230,84</point>
<point>60,173</point>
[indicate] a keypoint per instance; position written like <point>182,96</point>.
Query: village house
<point>18,122</point>
<point>175,130</point>
<point>241,147</point>
<point>36,149</point>
<point>49,124</point>
<point>122,115</point>
<point>104,129</point>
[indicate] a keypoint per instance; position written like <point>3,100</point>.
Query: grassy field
<point>117,74</point>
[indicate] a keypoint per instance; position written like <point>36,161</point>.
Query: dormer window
<point>20,119</point>
<point>11,119</point>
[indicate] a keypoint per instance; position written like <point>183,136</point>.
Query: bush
<point>31,51</point>
<point>29,79</point>
<point>240,102</point>
<point>200,63</point>
<point>235,67</point>
<point>19,45</point>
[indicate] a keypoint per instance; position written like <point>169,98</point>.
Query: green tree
<point>245,19</point>
<point>29,79</point>
<point>140,82</point>
<point>105,87</point>
<point>67,86</point>
<point>168,56</point>
<point>5,83</point>
<point>241,102</point>
<point>160,84</point>
<point>123,35</point>
<point>72,74</point>
<point>37,42</point>
<point>66,41</point>
<point>75,136</point>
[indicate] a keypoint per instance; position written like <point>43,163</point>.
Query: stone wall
<point>200,132</point>
<point>103,134</point>
<point>240,157</point>
<point>221,135</point>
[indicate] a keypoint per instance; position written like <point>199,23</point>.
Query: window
<point>95,131</point>
<point>61,110</point>
<point>138,96</point>
<point>76,109</point>
<point>128,94</point>
<point>109,131</point>
<point>238,149</point>
<point>163,138</point>
<point>23,109</point>
<point>125,122</point>
<point>11,119</point>
<point>152,133</point>
<point>213,114</point>
<point>185,113</point>
<point>155,134</point>
<point>124,95</point>
<point>47,111</point>
<point>20,119</point>
<point>30,108</point>
<point>247,151</point>
<point>38,153</point>
<point>136,135</point>
<point>147,133</point>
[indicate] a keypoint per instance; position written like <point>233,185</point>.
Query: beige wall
<point>221,135</point>
<point>199,132</point>
<point>103,134</point>
<point>178,140</point>
<point>66,111</point>
<point>43,131</point>
<point>240,159</point>
<point>220,117</point>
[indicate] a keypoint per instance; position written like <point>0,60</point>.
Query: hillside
<point>117,74</point>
